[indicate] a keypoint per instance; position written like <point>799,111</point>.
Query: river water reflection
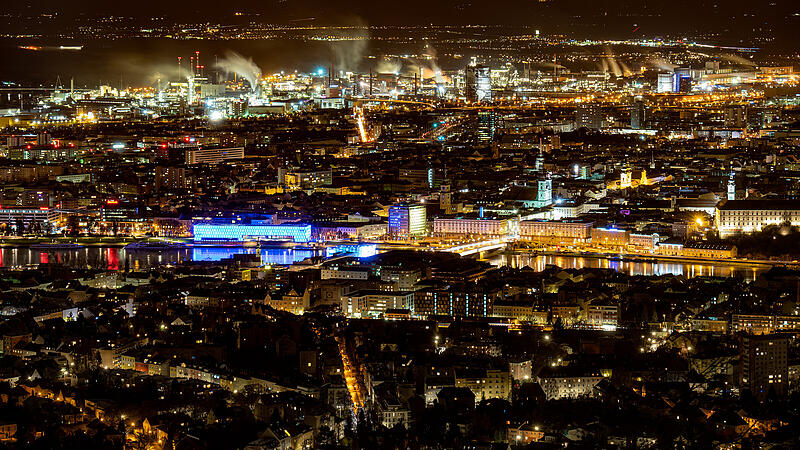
<point>539,262</point>
<point>112,258</point>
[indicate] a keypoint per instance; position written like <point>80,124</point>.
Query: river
<point>654,268</point>
<point>112,258</point>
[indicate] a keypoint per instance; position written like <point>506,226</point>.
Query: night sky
<point>662,14</point>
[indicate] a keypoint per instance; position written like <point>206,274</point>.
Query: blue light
<point>358,250</point>
<point>320,71</point>
<point>233,232</point>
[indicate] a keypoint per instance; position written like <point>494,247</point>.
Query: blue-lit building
<point>358,250</point>
<point>407,221</point>
<point>204,232</point>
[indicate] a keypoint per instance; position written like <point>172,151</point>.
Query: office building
<point>667,83</point>
<point>213,155</point>
<point>478,87</point>
<point>169,178</point>
<point>764,367</point>
<point>374,303</point>
<point>736,116</point>
<point>407,221</point>
<point>486,126</point>
<point>589,115</point>
<point>446,199</point>
<point>638,114</point>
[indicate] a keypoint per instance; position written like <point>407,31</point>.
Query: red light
<point>44,208</point>
<point>112,202</point>
<point>28,147</point>
<point>163,145</point>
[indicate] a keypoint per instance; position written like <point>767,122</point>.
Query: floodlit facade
<point>747,216</point>
<point>406,221</point>
<point>235,232</point>
<point>555,232</point>
<point>472,226</point>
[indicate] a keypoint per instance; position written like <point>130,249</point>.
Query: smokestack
<point>555,70</point>
<point>191,65</point>
<point>197,62</point>
<point>333,65</point>
<point>179,67</point>
<point>415,84</point>
<point>72,87</point>
<point>370,81</point>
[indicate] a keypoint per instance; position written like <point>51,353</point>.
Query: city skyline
<point>297,225</point>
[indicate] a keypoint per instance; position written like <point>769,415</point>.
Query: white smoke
<point>736,59</point>
<point>389,65</point>
<point>244,67</point>
<point>433,63</point>
<point>349,54</point>
<point>662,64</point>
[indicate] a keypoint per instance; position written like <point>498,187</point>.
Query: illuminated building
<point>349,230</point>
<point>478,85</point>
<point>486,126</point>
<point>638,114</point>
<point>610,237</point>
<point>524,434</point>
<point>407,221</point>
<point>522,311</point>
<point>213,155</point>
<point>236,232</point>
<point>626,177</point>
<point>15,216</point>
<point>306,180</point>
<point>566,383</point>
<point>292,301</point>
<point>747,216</point>
<point>764,367</point>
<point>475,226</point>
<point>602,316</point>
<point>589,115</point>
<point>666,83</point>
<point>708,250</point>
<point>555,232</point>
<point>371,303</point>
<point>736,116</point>
<point>454,302</point>
<point>113,211</point>
<point>445,199</point>
<point>485,383</point>
<point>544,193</point>
<point>170,178</point>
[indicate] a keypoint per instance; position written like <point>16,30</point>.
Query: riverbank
<point>635,257</point>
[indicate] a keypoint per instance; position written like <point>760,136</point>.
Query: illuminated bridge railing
<point>234,232</point>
